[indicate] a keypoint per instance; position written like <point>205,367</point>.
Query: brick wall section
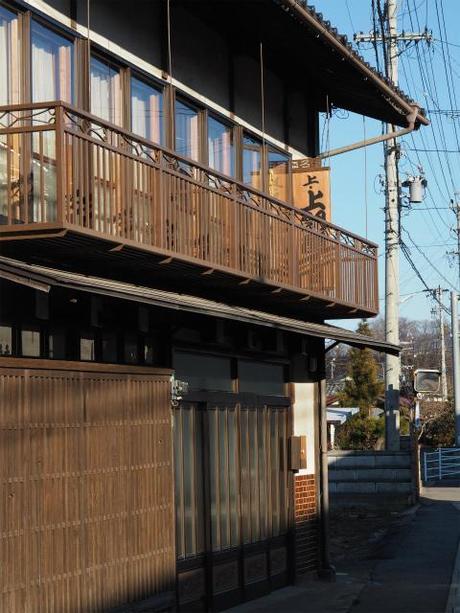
<point>307,525</point>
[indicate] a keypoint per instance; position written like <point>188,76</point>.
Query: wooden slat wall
<point>86,488</point>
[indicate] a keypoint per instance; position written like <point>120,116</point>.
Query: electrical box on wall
<point>298,452</point>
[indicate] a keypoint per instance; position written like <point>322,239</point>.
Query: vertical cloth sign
<point>311,188</point>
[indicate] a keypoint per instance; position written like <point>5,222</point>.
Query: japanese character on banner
<point>311,191</point>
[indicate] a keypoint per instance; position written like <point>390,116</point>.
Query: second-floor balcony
<point>81,193</point>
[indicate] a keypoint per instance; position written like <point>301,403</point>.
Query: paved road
<point>414,568</point>
<point>410,573</point>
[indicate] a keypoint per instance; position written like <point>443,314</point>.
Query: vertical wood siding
<point>86,498</point>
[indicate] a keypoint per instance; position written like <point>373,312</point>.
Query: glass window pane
<point>57,346</point>
<point>149,349</point>
<point>10,60</point>
<point>105,91</point>
<point>146,111</point>
<point>254,475</point>
<point>109,347</point>
<point>189,484</point>
<point>278,174</point>
<point>245,481</point>
<point>222,476</point>
<point>178,483</point>
<point>203,372</point>
<point>131,354</point>
<point>87,349</point>
<point>30,343</point>
<point>214,478</point>
<point>220,147</point>
<point>233,477</point>
<point>6,340</point>
<point>261,413</point>
<point>186,130</point>
<point>261,378</point>
<point>252,162</point>
<point>275,467</point>
<point>52,65</point>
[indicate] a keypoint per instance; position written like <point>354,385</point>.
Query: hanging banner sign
<point>311,189</point>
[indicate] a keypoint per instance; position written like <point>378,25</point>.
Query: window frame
<point>125,94</point>
<point>155,84</point>
<point>202,112</point>
<point>210,114</point>
<point>63,33</point>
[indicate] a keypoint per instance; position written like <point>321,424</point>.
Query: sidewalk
<point>410,572</point>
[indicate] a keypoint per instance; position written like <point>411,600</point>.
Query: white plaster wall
<point>304,421</point>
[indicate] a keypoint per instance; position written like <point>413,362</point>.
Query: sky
<point>430,74</point>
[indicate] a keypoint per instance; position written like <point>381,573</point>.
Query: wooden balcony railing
<point>61,167</point>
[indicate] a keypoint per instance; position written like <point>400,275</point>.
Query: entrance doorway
<point>234,512</point>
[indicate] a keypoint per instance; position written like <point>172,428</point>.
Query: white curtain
<point>186,131</point>
<point>146,110</point>
<point>51,65</point>
<point>9,94</point>
<point>220,147</point>
<point>9,58</point>
<point>105,91</point>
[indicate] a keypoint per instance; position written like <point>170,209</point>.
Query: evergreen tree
<point>363,386</point>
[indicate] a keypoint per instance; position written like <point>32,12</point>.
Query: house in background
<point>167,265</point>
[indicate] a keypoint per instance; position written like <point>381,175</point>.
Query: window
<point>6,340</point>
<point>261,378</point>
<point>187,132</point>
<point>203,372</point>
<point>57,346</point>
<point>244,468</point>
<point>188,481</point>
<point>52,65</point>
<point>131,352</point>
<point>278,174</point>
<point>106,94</point>
<point>149,350</point>
<point>252,162</point>
<point>10,60</point>
<point>221,147</point>
<point>30,343</point>
<point>87,348</point>
<point>109,347</point>
<point>147,111</point>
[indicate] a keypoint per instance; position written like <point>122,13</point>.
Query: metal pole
<point>457,211</point>
<point>327,570</point>
<point>392,239</point>
<point>456,364</point>
<point>443,347</point>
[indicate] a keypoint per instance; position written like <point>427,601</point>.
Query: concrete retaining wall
<point>371,478</point>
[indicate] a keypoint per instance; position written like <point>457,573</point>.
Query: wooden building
<point>164,285</point>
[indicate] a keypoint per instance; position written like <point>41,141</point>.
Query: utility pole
<point>392,239</point>
<point>456,209</point>
<point>438,293</point>
<point>390,39</point>
<point>456,364</point>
